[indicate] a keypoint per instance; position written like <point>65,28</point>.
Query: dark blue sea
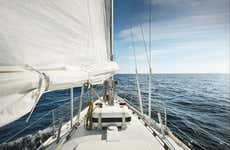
<point>197,106</point>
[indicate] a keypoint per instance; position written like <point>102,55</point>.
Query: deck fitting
<point>166,147</point>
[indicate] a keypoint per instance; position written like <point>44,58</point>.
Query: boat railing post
<point>165,118</point>
<point>80,103</point>
<point>150,92</point>
<point>53,122</point>
<point>99,121</point>
<point>161,124</point>
<point>71,107</point>
<point>123,126</point>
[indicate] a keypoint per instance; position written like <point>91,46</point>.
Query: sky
<point>187,36</point>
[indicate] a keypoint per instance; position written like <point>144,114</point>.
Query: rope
<point>89,121</point>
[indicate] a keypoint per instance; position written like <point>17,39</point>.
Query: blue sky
<point>188,36</point>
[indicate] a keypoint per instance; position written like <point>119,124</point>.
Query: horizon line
<point>178,73</point>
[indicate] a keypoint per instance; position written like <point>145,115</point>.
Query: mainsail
<point>48,45</point>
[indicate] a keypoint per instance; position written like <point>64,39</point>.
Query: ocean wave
<point>28,142</point>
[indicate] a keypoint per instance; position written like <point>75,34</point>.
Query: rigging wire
<point>146,51</point>
<point>148,57</point>
<point>150,68</point>
<point>136,71</point>
<point>145,45</point>
<point>150,32</point>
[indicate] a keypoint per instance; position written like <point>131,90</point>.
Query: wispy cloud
<point>194,39</point>
<point>202,18</point>
<point>142,56</point>
<point>184,27</point>
<point>199,6</point>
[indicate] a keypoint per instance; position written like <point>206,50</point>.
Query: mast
<point>111,31</point>
<point>111,90</point>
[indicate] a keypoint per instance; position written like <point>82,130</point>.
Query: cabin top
<point>105,115</point>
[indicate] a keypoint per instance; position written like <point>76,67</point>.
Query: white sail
<point>49,45</point>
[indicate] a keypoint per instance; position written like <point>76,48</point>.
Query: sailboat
<point>48,45</point>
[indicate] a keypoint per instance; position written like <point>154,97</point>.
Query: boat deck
<point>135,136</point>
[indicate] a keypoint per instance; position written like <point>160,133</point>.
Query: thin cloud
<point>184,27</point>
<point>196,38</point>
<point>142,56</point>
<point>196,19</point>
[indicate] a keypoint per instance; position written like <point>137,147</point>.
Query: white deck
<point>136,137</point>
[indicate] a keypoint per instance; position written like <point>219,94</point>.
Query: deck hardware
<point>77,124</point>
<point>59,132</point>
<point>71,132</point>
<point>68,137</point>
<point>154,134</point>
<point>166,147</point>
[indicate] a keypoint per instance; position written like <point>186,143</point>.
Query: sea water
<point>197,108</point>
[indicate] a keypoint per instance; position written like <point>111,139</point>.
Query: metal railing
<point>155,128</point>
<point>54,116</point>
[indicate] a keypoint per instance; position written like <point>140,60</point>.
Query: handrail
<point>10,138</point>
<point>37,120</point>
<point>155,128</point>
<point>148,123</point>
